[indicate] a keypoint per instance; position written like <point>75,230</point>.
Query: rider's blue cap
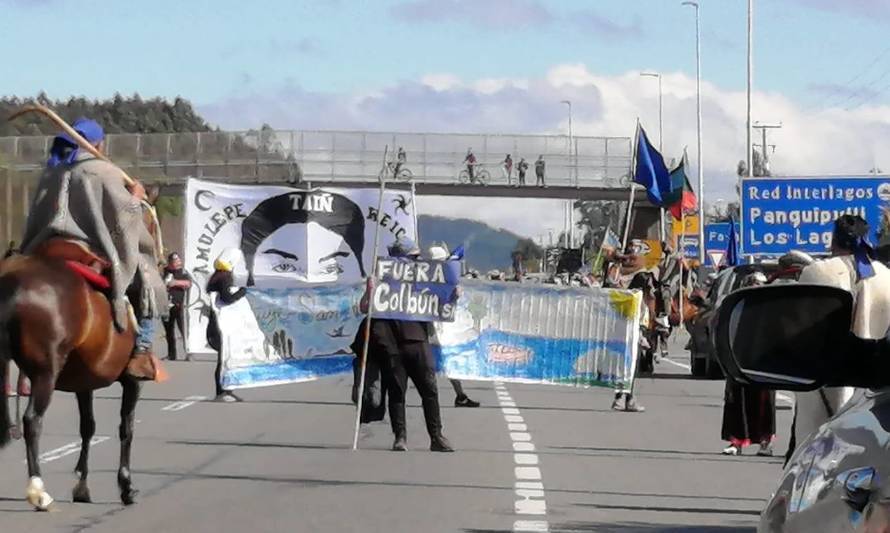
<point>88,129</point>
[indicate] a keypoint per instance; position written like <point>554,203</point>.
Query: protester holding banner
<point>405,347</point>
<point>440,253</point>
<point>222,285</point>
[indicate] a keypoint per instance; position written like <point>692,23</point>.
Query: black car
<point>702,358</point>
<point>797,337</point>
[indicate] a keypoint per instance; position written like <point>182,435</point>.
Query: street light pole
<point>749,149</point>
<point>701,175</point>
<point>660,122</point>
<point>570,235</point>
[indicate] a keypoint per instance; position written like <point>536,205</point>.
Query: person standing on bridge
<point>404,347</point>
<point>470,161</point>
<point>508,169</point>
<point>522,168</point>
<point>539,170</point>
<point>852,267</point>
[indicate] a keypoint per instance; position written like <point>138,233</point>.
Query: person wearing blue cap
<point>403,351</point>
<point>85,199</point>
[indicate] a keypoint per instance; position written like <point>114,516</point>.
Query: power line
<point>874,95</point>
<point>837,91</point>
<point>862,91</point>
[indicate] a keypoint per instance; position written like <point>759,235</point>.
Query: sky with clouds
<point>822,68</point>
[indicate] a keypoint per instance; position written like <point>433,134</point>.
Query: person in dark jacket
<point>374,395</point>
<point>404,347</point>
<point>178,283</point>
<point>540,167</point>
<point>222,282</point>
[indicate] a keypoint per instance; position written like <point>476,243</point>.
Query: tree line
<point>119,114</point>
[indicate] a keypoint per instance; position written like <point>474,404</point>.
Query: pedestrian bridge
<point>587,168</point>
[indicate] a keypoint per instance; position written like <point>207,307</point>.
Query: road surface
<point>532,458</point>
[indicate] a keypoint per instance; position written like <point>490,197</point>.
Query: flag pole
<point>367,341</point>
<point>630,201</point>
<point>682,246</point>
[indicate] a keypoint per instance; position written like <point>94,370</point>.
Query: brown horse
<point>59,331</point>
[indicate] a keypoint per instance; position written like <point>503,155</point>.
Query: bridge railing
<point>343,155</point>
<point>276,156</point>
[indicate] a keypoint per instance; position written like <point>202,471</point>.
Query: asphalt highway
<point>532,458</point>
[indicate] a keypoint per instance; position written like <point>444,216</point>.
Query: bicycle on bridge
<point>397,167</point>
<point>480,175</point>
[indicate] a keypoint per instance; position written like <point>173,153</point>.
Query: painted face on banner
<point>306,253</point>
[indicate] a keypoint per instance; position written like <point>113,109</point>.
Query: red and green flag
<point>681,199</point>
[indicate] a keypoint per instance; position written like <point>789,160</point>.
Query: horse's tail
<point>8,290</point>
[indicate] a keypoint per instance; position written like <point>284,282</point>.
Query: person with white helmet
<point>222,282</point>
<point>440,253</point>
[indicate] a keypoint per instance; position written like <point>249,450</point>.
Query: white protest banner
<point>542,334</point>
<point>288,237</point>
<point>504,331</point>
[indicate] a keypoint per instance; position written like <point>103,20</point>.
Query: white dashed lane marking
<point>529,489</point>
<point>74,447</point>
<point>182,404</point>
<point>68,449</point>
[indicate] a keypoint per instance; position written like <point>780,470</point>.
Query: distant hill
<point>486,248</point>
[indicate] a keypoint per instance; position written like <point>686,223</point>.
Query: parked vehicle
<point>797,337</point>
<point>703,361</point>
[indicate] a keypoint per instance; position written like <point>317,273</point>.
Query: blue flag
<point>732,247</point>
<point>458,253</point>
<point>611,239</point>
<point>650,171</point>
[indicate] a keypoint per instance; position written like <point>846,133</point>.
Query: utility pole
<point>763,127</point>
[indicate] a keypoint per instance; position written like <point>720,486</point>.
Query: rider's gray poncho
<point>88,201</point>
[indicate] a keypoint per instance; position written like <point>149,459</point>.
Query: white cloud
<point>441,82</point>
<point>832,141</point>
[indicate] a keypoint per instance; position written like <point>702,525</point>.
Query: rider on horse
<point>83,199</point>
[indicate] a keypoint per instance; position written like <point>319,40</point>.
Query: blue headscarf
<point>851,233</point>
<point>64,148</point>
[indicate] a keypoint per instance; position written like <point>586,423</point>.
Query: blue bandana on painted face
<point>64,149</point>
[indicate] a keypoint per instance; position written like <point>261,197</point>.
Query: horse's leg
<point>81,493</point>
<point>41,393</point>
<point>128,414</point>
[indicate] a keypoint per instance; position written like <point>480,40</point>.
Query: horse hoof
<point>81,494</point>
<point>15,433</point>
<point>128,497</point>
<point>37,495</point>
